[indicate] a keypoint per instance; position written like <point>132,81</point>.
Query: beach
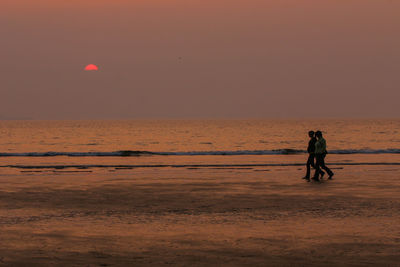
<point>202,193</point>
<point>200,216</point>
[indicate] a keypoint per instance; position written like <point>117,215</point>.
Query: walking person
<point>320,153</point>
<point>311,154</point>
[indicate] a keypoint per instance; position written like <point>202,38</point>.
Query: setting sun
<point>91,67</point>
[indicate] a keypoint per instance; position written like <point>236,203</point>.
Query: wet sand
<point>201,217</point>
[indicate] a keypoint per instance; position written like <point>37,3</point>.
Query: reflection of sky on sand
<point>207,215</point>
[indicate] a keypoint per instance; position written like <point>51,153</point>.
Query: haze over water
<point>199,59</point>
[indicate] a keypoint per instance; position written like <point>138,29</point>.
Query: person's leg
<point>313,160</point>
<point>317,167</point>
<point>310,162</point>
<point>323,166</point>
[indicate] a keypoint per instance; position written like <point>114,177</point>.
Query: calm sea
<point>110,143</point>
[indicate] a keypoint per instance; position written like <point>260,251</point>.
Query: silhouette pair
<point>316,156</point>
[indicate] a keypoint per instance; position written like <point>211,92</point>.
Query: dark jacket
<point>311,145</point>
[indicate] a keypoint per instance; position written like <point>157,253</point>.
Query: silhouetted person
<point>320,153</point>
<point>311,154</point>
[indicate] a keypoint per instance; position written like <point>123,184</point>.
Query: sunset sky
<point>199,59</point>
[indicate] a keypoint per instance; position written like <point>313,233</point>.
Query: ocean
<point>111,144</point>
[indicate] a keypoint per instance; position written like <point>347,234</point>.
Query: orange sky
<point>190,59</point>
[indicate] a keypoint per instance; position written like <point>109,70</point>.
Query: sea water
<point>193,143</point>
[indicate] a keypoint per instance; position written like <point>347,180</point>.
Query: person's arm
<point>323,150</point>
<point>316,145</point>
<point>311,147</point>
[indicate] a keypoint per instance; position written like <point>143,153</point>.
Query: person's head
<point>311,133</point>
<point>318,134</point>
